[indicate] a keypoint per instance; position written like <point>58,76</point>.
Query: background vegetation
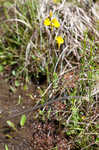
<point>31,52</point>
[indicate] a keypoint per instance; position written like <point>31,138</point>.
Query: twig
<point>39,106</point>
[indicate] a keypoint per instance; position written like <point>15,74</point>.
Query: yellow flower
<point>83,117</point>
<point>55,23</point>
<point>47,22</point>
<point>56,1</point>
<point>59,41</point>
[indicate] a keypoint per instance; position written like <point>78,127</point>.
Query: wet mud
<point>37,134</point>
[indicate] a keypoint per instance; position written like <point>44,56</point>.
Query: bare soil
<point>37,134</point>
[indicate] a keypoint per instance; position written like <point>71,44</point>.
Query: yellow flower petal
<point>56,1</point>
<point>47,22</point>
<point>59,41</point>
<point>83,117</point>
<point>55,23</point>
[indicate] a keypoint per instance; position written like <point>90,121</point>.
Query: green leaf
<point>23,120</point>
<point>14,73</point>
<point>1,68</point>
<point>97,139</point>
<point>6,147</point>
<point>11,124</point>
<point>25,87</point>
<point>55,79</point>
<point>97,126</point>
<point>17,83</point>
<point>12,89</point>
<point>7,4</point>
<point>19,100</point>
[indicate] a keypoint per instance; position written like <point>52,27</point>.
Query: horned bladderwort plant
<point>53,22</point>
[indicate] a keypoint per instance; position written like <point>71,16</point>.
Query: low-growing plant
<point>23,120</point>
